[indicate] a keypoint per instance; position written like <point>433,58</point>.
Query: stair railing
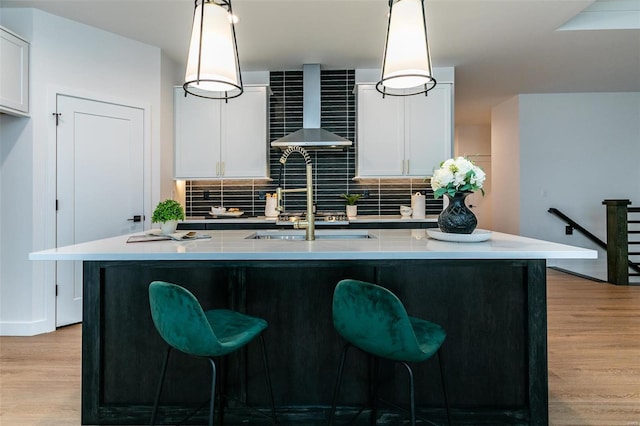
<point>574,225</point>
<point>633,221</point>
<point>617,245</point>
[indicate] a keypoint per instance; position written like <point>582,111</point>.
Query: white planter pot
<point>169,227</point>
<point>352,211</point>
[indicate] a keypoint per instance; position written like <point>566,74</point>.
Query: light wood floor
<point>594,362</point>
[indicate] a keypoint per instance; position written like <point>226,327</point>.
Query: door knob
<point>135,218</point>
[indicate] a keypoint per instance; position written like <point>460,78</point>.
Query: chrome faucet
<point>310,222</point>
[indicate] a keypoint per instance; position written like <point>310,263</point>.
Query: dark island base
<point>495,360</point>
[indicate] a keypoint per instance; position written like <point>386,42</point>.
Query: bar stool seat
<point>373,319</point>
<point>182,323</point>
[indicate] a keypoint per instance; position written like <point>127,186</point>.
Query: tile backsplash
<point>333,171</point>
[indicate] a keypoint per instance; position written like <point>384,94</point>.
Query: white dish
<point>228,214</point>
<point>475,237</point>
<point>218,210</point>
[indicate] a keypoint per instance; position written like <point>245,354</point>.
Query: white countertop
<point>387,244</point>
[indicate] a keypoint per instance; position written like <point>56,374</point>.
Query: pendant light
<point>406,65</point>
<point>213,67</point>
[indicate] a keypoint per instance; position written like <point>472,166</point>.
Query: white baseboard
<point>26,328</point>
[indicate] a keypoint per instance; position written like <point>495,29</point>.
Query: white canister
<point>418,201</point>
<point>270,206</point>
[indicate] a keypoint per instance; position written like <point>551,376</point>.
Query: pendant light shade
<point>406,65</point>
<point>213,68</point>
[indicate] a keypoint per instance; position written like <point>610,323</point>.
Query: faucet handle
<point>279,199</point>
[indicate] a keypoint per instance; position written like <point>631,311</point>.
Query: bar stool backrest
<point>180,320</point>
<point>373,319</point>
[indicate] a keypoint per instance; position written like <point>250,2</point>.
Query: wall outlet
<point>365,193</point>
<point>206,195</point>
<point>568,230</point>
<point>262,195</point>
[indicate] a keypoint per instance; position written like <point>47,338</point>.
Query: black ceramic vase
<point>457,218</point>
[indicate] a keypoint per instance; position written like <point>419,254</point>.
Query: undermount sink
<point>322,234</point>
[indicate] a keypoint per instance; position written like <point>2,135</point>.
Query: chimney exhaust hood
<point>311,136</point>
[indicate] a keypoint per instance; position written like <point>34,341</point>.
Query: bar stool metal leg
<point>212,400</point>
<point>268,373</point>
<point>159,390</point>
<point>336,389</point>
<point>412,395</point>
<point>444,389</point>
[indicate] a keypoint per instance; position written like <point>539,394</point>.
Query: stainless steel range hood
<point>311,136</point>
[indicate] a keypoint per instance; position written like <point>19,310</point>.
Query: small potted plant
<point>168,213</point>
<point>352,208</point>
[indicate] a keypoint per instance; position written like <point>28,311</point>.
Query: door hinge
<point>56,290</point>
<point>56,205</point>
<point>57,115</point>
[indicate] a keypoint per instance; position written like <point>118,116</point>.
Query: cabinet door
<point>244,135</point>
<point>428,139</point>
<point>380,149</point>
<point>14,74</point>
<point>197,136</point>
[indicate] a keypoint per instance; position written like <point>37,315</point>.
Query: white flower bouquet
<point>457,175</point>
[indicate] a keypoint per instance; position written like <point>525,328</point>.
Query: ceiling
<point>499,48</point>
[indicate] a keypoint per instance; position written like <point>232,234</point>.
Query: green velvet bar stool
<point>184,326</point>
<point>374,320</point>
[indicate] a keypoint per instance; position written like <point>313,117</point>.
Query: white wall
<point>169,76</point>
<point>16,204</point>
<point>474,143</point>
<point>505,167</point>
<point>74,58</point>
<point>576,150</point>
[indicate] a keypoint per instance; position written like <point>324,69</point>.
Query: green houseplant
<point>168,213</point>
<point>351,199</point>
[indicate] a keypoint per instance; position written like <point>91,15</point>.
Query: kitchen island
<point>489,296</point>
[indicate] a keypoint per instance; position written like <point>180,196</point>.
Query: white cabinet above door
<point>14,74</point>
<point>403,136</point>
<point>215,139</point>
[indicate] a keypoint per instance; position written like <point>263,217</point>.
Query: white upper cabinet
<point>403,136</point>
<point>14,74</point>
<point>215,139</point>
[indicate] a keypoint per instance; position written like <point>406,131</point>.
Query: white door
<point>100,185</point>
